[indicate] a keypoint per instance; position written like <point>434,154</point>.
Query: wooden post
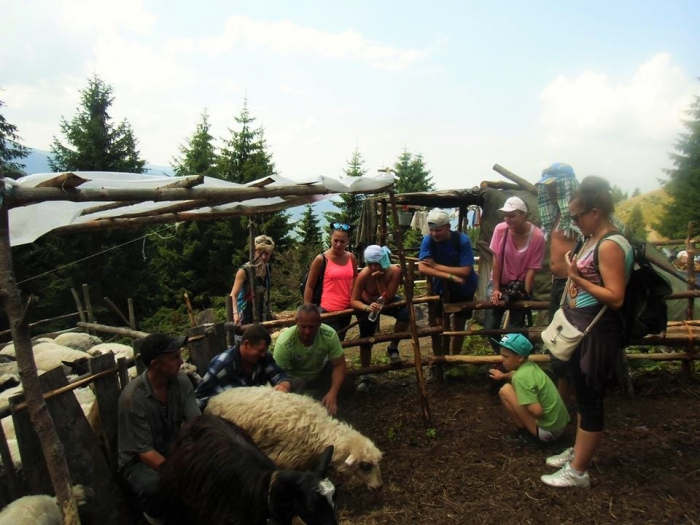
<point>107,397</point>
<point>190,311</point>
<point>87,463</point>
<point>687,366</point>
<point>251,271</point>
<point>408,289</point>
<point>88,304</point>
<point>230,336</point>
<point>203,349</point>
<point>515,178</point>
<point>117,311</point>
<point>40,417</point>
<point>461,220</point>
<point>78,305</point>
<point>132,315</point>
<point>9,466</point>
<point>123,372</point>
<point>382,224</point>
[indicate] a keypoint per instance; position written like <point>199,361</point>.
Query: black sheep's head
<point>309,495</point>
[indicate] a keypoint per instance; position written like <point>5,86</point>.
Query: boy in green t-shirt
<point>531,398</point>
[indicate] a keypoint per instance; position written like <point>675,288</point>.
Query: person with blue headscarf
<point>379,278</point>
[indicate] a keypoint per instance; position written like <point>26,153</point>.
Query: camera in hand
<point>514,291</point>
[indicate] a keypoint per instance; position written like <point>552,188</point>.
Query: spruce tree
<point>636,224</point>
<point>683,185</point>
<point>618,195</point>
<point>198,156</point>
<point>245,158</point>
<point>412,174</point>
<point>197,257</point>
<point>96,144</point>
<point>10,148</point>
<point>310,236</point>
<point>115,266</point>
<point>350,204</point>
<point>637,192</point>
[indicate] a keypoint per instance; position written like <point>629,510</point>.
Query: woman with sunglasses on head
<point>242,291</point>
<point>597,362</point>
<point>338,277</point>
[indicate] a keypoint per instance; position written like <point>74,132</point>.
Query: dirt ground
<point>646,471</point>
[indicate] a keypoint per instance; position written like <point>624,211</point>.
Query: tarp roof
<point>31,221</point>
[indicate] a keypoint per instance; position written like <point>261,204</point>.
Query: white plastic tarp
<point>28,223</point>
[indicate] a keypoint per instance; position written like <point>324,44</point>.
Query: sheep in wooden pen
<point>119,350</point>
<point>78,341</point>
<point>216,472</point>
<point>293,430</point>
<point>37,510</point>
<point>51,355</point>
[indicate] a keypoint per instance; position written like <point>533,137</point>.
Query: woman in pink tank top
<point>338,277</point>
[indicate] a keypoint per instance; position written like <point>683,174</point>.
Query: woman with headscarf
<point>338,269</point>
<point>257,271</point>
<point>378,279</point>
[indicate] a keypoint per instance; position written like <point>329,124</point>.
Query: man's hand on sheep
<point>330,401</point>
<point>284,386</point>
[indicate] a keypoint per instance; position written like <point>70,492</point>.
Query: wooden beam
<point>515,178</point>
<point>23,196</point>
<point>189,182</point>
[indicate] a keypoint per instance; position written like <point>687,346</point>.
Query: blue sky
<point>522,84</point>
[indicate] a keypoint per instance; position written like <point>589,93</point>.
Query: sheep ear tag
<point>327,489</point>
<point>350,461</point>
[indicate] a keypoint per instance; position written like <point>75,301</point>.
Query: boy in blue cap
<point>531,398</point>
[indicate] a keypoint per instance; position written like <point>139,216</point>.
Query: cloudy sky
<point>600,85</point>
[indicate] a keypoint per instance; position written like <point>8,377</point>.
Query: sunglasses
<point>341,226</point>
<point>575,218</point>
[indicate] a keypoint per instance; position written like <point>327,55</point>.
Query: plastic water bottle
<point>373,315</point>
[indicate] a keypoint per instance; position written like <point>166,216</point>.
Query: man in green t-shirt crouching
<point>531,398</point>
<point>311,352</point>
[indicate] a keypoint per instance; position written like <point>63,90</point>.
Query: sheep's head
<point>363,462</point>
<point>309,495</point>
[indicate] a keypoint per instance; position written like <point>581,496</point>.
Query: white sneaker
<point>560,460</point>
<point>566,477</point>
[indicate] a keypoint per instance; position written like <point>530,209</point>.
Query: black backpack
<point>318,289</point>
<point>644,310</point>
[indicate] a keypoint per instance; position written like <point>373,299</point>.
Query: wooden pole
<point>78,305</point>
<point>190,312</point>
<point>686,367</point>
<point>88,304</point>
<point>396,336</point>
<point>230,336</point>
<point>408,290</point>
<point>251,270</point>
<point>117,311</point>
<point>38,411</point>
<point>42,321</point>
<point>518,180</point>
<point>382,223</point>
<point>132,314</point>
<point>9,466</point>
<point>127,332</point>
<point>123,372</point>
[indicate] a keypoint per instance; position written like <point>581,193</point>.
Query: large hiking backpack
<point>318,289</point>
<point>644,310</point>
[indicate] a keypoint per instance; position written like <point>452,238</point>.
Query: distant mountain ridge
<point>38,162</point>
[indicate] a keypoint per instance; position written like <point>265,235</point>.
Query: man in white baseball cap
<point>447,257</point>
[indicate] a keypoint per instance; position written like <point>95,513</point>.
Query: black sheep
<point>215,474</point>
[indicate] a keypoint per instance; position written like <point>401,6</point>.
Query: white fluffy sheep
<point>37,510</point>
<point>50,355</point>
<point>117,349</point>
<point>78,341</point>
<point>294,430</point>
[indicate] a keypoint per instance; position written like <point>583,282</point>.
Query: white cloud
<point>646,107</point>
<point>619,129</point>
<point>287,38</point>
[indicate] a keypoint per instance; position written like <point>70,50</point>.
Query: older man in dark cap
<point>152,408</point>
